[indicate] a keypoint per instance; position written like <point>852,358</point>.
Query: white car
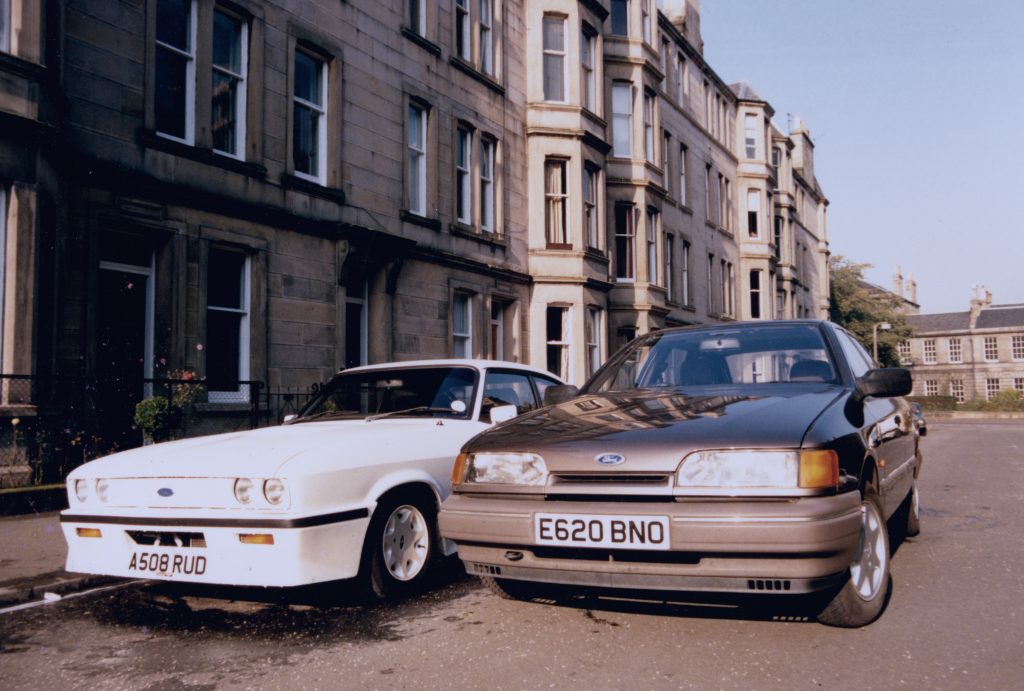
<point>350,487</point>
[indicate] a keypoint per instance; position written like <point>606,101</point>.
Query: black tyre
<point>510,590</point>
<point>400,545</point>
<point>862,598</point>
<point>913,510</point>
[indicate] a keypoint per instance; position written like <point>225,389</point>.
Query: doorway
<point>124,348</point>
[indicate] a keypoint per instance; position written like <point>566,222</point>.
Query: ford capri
<point>348,488</point>
<point>763,458</point>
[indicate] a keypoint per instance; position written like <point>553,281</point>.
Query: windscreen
<point>422,391</point>
<point>721,356</point>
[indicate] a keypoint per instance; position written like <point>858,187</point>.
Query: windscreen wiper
<point>405,411</point>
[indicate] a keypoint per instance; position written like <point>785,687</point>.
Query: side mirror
<point>503,413</point>
<point>289,417</point>
<point>553,395</point>
<point>884,383</point>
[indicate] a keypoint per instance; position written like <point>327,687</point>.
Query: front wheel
<point>510,590</point>
<point>861,599</point>
<point>401,540</point>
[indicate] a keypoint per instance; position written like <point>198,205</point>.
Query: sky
<point>916,109</point>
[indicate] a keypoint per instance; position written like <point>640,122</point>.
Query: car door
<point>889,427</point>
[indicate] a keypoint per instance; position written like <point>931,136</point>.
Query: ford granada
<point>348,488</point>
<point>758,458</point>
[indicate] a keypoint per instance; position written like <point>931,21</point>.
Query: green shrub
<point>153,416</point>
<point>1006,401</point>
<point>934,402</point>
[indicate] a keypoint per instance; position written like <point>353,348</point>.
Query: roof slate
<point>948,321</point>
<point>1001,317</point>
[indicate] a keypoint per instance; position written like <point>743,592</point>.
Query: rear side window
<point>507,388</point>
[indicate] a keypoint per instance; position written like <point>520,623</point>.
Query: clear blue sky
<point>917,113</point>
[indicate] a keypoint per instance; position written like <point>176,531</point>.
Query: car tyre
<point>400,545</point>
<point>510,590</point>
<point>913,509</point>
<point>862,598</point>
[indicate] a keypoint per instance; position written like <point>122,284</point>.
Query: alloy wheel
<point>867,572</point>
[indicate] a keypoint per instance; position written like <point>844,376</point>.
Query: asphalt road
<point>955,621</point>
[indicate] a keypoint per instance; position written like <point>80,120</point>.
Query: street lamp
<point>884,326</point>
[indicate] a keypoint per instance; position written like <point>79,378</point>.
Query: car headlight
<point>273,490</point>
<point>102,490</point>
<point>82,490</point>
<point>726,472</point>
<point>500,469</point>
<point>243,490</point>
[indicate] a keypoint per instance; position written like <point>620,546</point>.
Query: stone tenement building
<point>967,355</point>
<point>272,190</point>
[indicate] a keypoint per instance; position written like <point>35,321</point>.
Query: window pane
<point>225,279</point>
<point>307,78</point>
<point>172,23</point>
<point>620,17</point>
<point>223,339</point>
<point>304,145</point>
<point>227,42</point>
<point>171,90</point>
<point>224,112</point>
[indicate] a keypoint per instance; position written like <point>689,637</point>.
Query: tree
<point>857,306</point>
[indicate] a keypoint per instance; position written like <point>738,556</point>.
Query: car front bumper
<point>790,546</point>
<point>290,551</point>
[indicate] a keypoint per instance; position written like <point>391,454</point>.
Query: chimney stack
<point>913,289</point>
<point>897,281</point>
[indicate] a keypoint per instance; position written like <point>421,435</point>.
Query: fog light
<point>82,490</point>
<point>255,539</point>
<point>88,532</point>
<point>243,490</point>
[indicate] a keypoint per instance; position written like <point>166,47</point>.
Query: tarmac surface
<point>32,557</point>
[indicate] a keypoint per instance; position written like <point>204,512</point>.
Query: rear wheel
<point>400,543</point>
<point>861,599</point>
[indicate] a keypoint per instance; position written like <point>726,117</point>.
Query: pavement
<point>32,557</point>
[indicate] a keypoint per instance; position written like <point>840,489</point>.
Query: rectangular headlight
<point>757,472</point>
<point>523,469</point>
<point>739,470</point>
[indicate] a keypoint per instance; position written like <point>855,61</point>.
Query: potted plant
<point>153,417</point>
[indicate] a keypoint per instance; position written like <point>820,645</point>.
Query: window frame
<point>591,222</point>
<point>954,349</point>
<point>242,394</point>
<point>462,341</point>
<point>990,346</point>
<point>625,248</point>
<point>992,385</point>
<point>756,295</point>
<point>462,27</point>
<point>649,116</point>
<point>322,113</point>
<point>750,135</point>
<point>487,168</point>
<point>1017,347</point>
<point>241,85</point>
<point>416,16</point>
<point>684,199</point>
<point>564,344</point>
<point>416,159</point>
<point>463,160</point>
<point>957,390</point>
<point>753,212</point>
<point>554,199</point>
<point>5,26</point>
<point>189,54</point>
<point>670,265</point>
<point>684,274</point>
<point>622,122</point>
<point>594,337</point>
<point>652,223</point>
<point>551,54</point>
<point>588,68</point>
<point>485,37</point>
<point>619,11</point>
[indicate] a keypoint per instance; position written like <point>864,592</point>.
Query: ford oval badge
<point>165,491</point>
<point>610,459</point>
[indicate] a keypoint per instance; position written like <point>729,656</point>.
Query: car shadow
<point>777,608</point>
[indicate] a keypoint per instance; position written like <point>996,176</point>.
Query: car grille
<point>167,538</point>
<point>644,479</point>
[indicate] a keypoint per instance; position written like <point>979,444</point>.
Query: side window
<point>856,356</point>
<point>507,388</point>
<point>542,384</point>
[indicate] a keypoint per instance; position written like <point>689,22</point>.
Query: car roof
<point>476,363</point>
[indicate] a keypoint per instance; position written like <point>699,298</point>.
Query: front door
<point>123,349</point>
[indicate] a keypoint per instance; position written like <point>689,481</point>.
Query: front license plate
<point>167,565</point>
<point>617,532</point>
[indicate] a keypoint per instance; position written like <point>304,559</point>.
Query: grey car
<point>763,458</point>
